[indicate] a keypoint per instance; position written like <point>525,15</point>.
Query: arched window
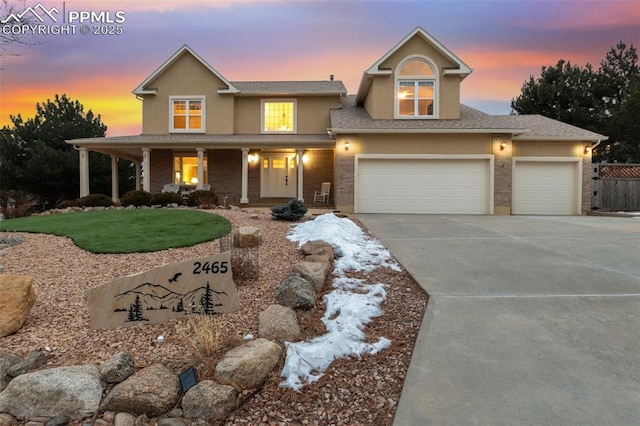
<point>416,89</point>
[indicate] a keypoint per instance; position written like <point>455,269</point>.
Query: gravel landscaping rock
<point>352,392</point>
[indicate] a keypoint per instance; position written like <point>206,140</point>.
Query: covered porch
<point>240,169</point>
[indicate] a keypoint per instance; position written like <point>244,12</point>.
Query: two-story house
<point>402,144</point>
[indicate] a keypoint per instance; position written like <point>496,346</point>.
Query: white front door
<point>278,175</point>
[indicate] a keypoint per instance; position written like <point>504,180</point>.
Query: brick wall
<point>318,168</point>
<point>224,173</point>
<point>503,173</point>
<point>586,183</point>
<point>344,172</point>
<point>161,169</point>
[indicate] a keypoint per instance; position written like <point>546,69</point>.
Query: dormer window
<point>416,89</point>
<point>278,116</point>
<point>186,114</point>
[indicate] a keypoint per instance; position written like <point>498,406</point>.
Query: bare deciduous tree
<point>13,39</point>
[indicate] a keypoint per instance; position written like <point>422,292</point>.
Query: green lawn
<point>127,231</point>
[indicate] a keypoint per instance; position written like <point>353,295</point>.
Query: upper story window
<point>187,114</point>
<point>416,89</point>
<point>278,116</point>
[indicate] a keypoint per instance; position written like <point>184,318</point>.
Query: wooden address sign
<point>202,286</point>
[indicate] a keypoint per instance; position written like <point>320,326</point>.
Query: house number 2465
<point>210,268</point>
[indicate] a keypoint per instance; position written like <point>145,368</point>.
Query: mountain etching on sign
<point>205,287</point>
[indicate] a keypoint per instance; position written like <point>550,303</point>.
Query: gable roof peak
<point>185,49</point>
<point>462,69</point>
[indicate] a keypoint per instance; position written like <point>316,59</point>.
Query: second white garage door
<point>424,186</point>
<point>546,187</point>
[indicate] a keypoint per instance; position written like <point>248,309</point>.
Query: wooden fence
<point>616,187</point>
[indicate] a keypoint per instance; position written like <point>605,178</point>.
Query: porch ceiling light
<point>253,158</point>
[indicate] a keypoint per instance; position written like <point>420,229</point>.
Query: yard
<point>353,391</point>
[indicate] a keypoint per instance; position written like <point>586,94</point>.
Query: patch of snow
<point>349,307</point>
<point>355,250</point>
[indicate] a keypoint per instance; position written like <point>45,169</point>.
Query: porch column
<point>146,176</point>
<point>138,173</point>
<point>300,176</point>
<point>84,172</point>
<point>114,179</point>
<point>200,167</point>
<point>245,176</point>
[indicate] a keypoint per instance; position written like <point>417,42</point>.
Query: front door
<point>278,175</point>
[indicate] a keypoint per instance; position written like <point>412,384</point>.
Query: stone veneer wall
<point>503,173</point>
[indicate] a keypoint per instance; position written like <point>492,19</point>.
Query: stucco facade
<point>261,141</point>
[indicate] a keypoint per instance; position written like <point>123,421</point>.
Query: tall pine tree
<point>604,101</point>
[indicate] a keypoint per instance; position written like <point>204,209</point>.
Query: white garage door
<point>541,187</point>
<point>424,186</point>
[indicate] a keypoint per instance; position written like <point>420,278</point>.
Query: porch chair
<point>171,187</point>
<point>322,196</point>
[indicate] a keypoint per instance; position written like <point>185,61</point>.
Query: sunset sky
<point>504,42</point>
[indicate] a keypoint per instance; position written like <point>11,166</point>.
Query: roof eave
<point>592,138</point>
<point>335,130</point>
<point>141,92</point>
<point>262,93</point>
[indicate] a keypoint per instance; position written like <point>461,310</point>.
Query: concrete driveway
<point>531,320</point>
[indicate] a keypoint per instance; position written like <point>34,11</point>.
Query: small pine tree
<point>207,301</point>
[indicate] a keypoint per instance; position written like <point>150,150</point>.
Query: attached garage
<point>547,186</point>
<point>424,184</point>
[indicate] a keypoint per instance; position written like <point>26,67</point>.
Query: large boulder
<point>32,361</point>
<point>318,251</point>
<point>296,292</point>
<point>314,272</point>
<point>153,391</point>
<point>209,401</point>
<point>117,368</point>
<point>249,365</point>
<point>75,391</point>
<point>278,323</point>
<point>16,300</point>
<point>7,361</point>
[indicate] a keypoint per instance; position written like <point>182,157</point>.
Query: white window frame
<point>279,100</point>
<point>203,119</point>
<point>415,79</point>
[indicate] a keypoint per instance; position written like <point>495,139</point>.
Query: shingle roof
<point>328,87</point>
<point>191,138</point>
<point>541,127</point>
<point>355,119</point>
